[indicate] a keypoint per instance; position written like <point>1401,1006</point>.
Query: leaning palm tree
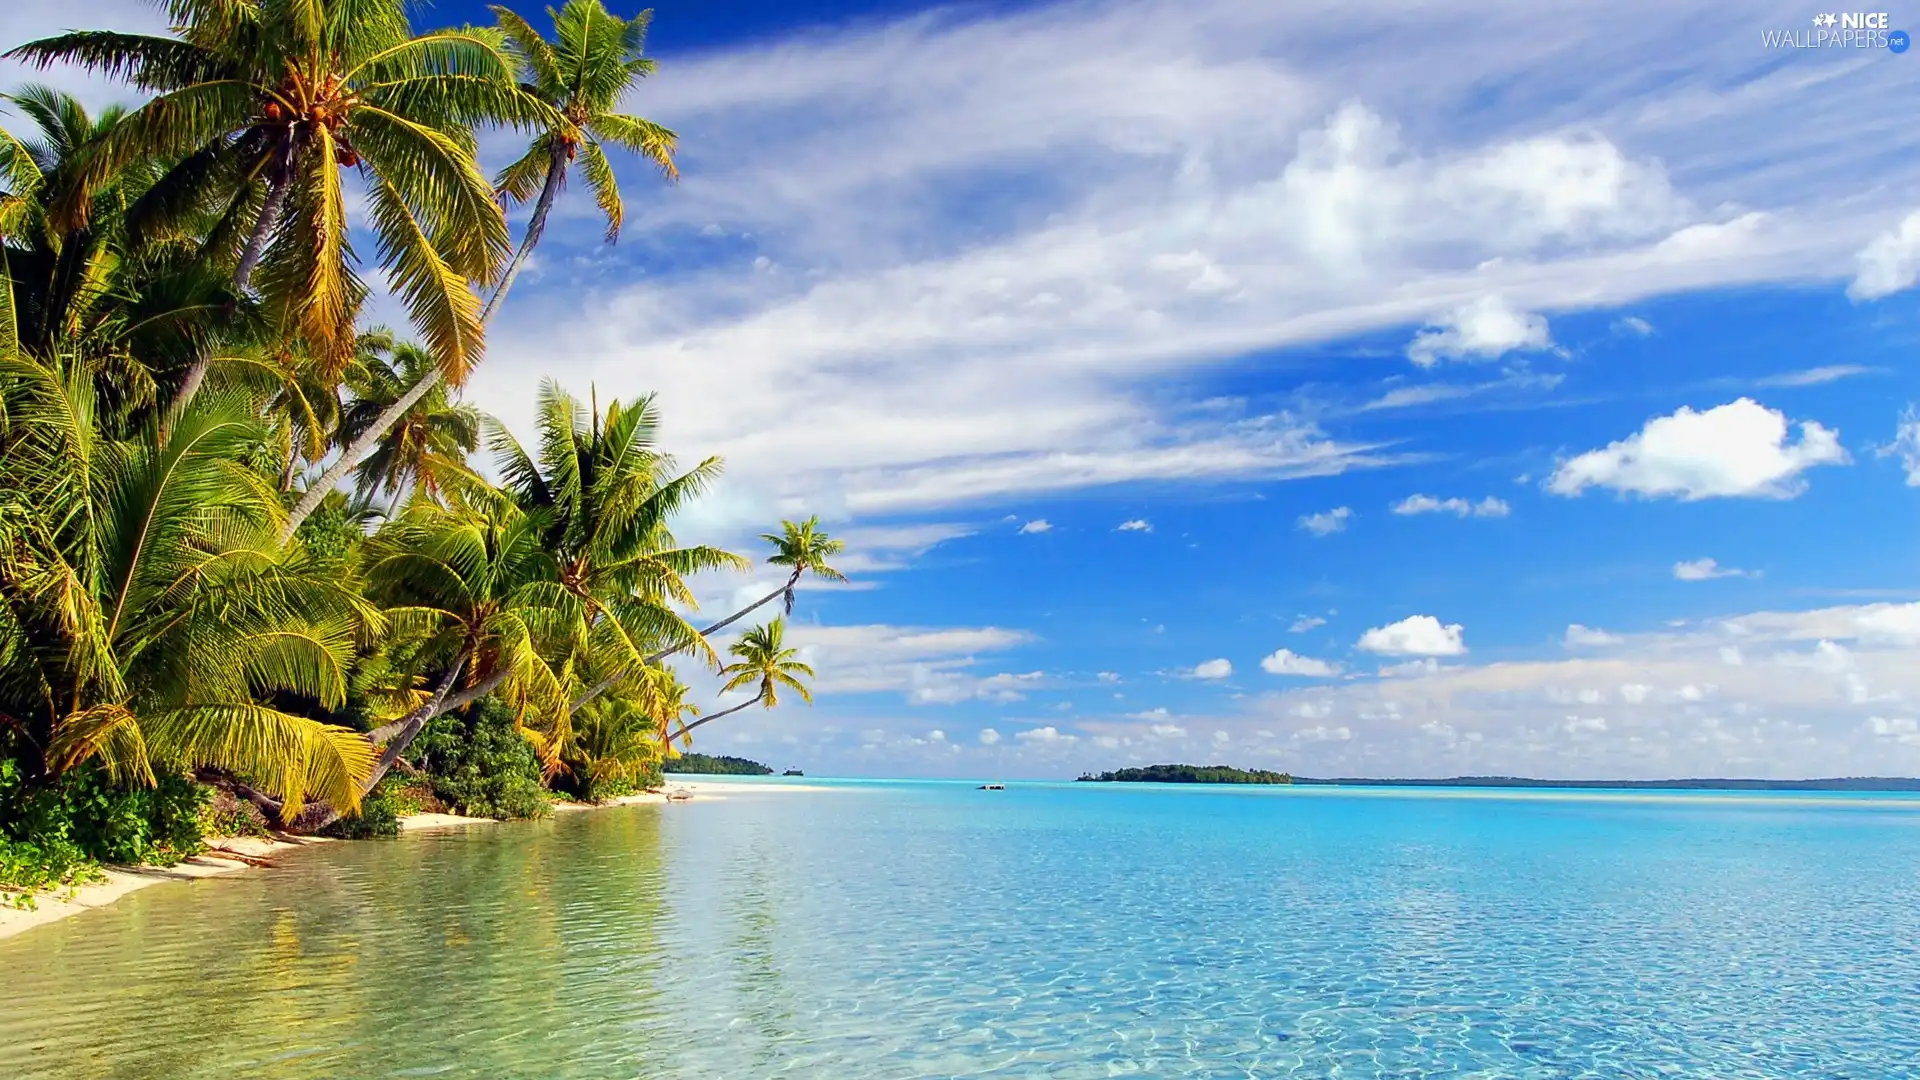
<point>427,450</point>
<point>262,105</point>
<point>474,596</point>
<point>766,662</point>
<point>149,618</point>
<point>580,77</point>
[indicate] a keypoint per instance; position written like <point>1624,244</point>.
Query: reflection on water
<point>929,931</point>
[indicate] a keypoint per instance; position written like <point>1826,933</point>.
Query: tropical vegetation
<point>251,574</point>
<point>1189,774</point>
<point>717,765</point>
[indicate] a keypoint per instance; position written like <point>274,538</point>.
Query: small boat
<point>993,787</point>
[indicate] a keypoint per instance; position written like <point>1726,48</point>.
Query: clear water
<point>927,930</point>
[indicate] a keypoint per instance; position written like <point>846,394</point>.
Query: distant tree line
<point>1189,774</point>
<point>717,765</point>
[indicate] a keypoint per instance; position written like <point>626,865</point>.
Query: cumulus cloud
<point>1486,329</point>
<point>1323,733</point>
<point>1288,662</point>
<point>1048,734</point>
<point>1488,507</point>
<point>1305,623</point>
<point>1741,449</point>
<point>1109,676</point>
<point>1906,445</point>
<point>1890,263</point>
<point>1135,525</point>
<point>1213,669</point>
<point>1415,635</point>
<point>1707,570</point>
<point>1037,525</point>
<point>989,737</point>
<point>1326,522</point>
<point>1589,637</point>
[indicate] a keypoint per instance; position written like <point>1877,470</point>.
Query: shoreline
<point>232,854</point>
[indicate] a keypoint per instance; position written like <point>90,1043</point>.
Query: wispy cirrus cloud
<point>953,254</point>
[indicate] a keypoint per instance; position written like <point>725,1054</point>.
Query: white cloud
<point>1415,635</point>
<point>1485,329</point>
<point>1213,669</point>
<point>1589,637</point>
<point>1323,733</point>
<point>1326,522</point>
<point>1048,734</point>
<point>1305,623</point>
<point>930,666</point>
<point>1037,525</point>
<point>1426,665</point>
<point>1708,570</point>
<point>1135,525</point>
<point>1736,450</point>
<point>1633,324</point>
<point>989,737</point>
<point>1168,731</point>
<point>1109,676</point>
<point>874,549</point>
<point>1488,507</point>
<point>1288,662</point>
<point>1906,445</point>
<point>923,346</point>
<point>1815,376</point>
<point>1890,263</point>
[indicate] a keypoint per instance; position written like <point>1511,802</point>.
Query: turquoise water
<point>932,930</point>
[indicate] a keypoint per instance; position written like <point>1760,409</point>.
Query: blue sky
<point>1623,301</point>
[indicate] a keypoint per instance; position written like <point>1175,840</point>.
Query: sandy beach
<point>232,854</point>
<point>220,859</point>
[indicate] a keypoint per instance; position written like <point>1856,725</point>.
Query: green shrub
<point>479,764</point>
<point>55,835</point>
<point>379,815</point>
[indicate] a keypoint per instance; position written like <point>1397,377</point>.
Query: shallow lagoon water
<point>898,930</point>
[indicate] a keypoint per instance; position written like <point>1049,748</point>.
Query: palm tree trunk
<point>536,227</point>
<point>400,734</point>
<point>278,184</point>
<point>608,683</point>
<point>360,447</point>
<point>724,712</point>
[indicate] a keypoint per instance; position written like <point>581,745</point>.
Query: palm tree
<point>766,661</point>
<point>135,302</point>
<point>610,496</point>
<point>802,545</point>
<point>428,449</point>
<point>146,608</point>
<point>262,105</point>
<point>473,594</point>
<point>580,77</point>
<point>625,736</point>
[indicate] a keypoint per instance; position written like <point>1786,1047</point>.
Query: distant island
<point>1188,774</point>
<point>717,765</point>
<point>1837,783</point>
<point>1226,774</point>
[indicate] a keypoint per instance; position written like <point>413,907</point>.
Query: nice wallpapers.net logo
<point>1843,30</point>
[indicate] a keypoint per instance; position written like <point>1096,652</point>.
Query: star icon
<point>1830,19</point>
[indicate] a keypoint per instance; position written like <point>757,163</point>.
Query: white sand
<point>411,822</point>
<point>704,786</point>
<point>121,880</point>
